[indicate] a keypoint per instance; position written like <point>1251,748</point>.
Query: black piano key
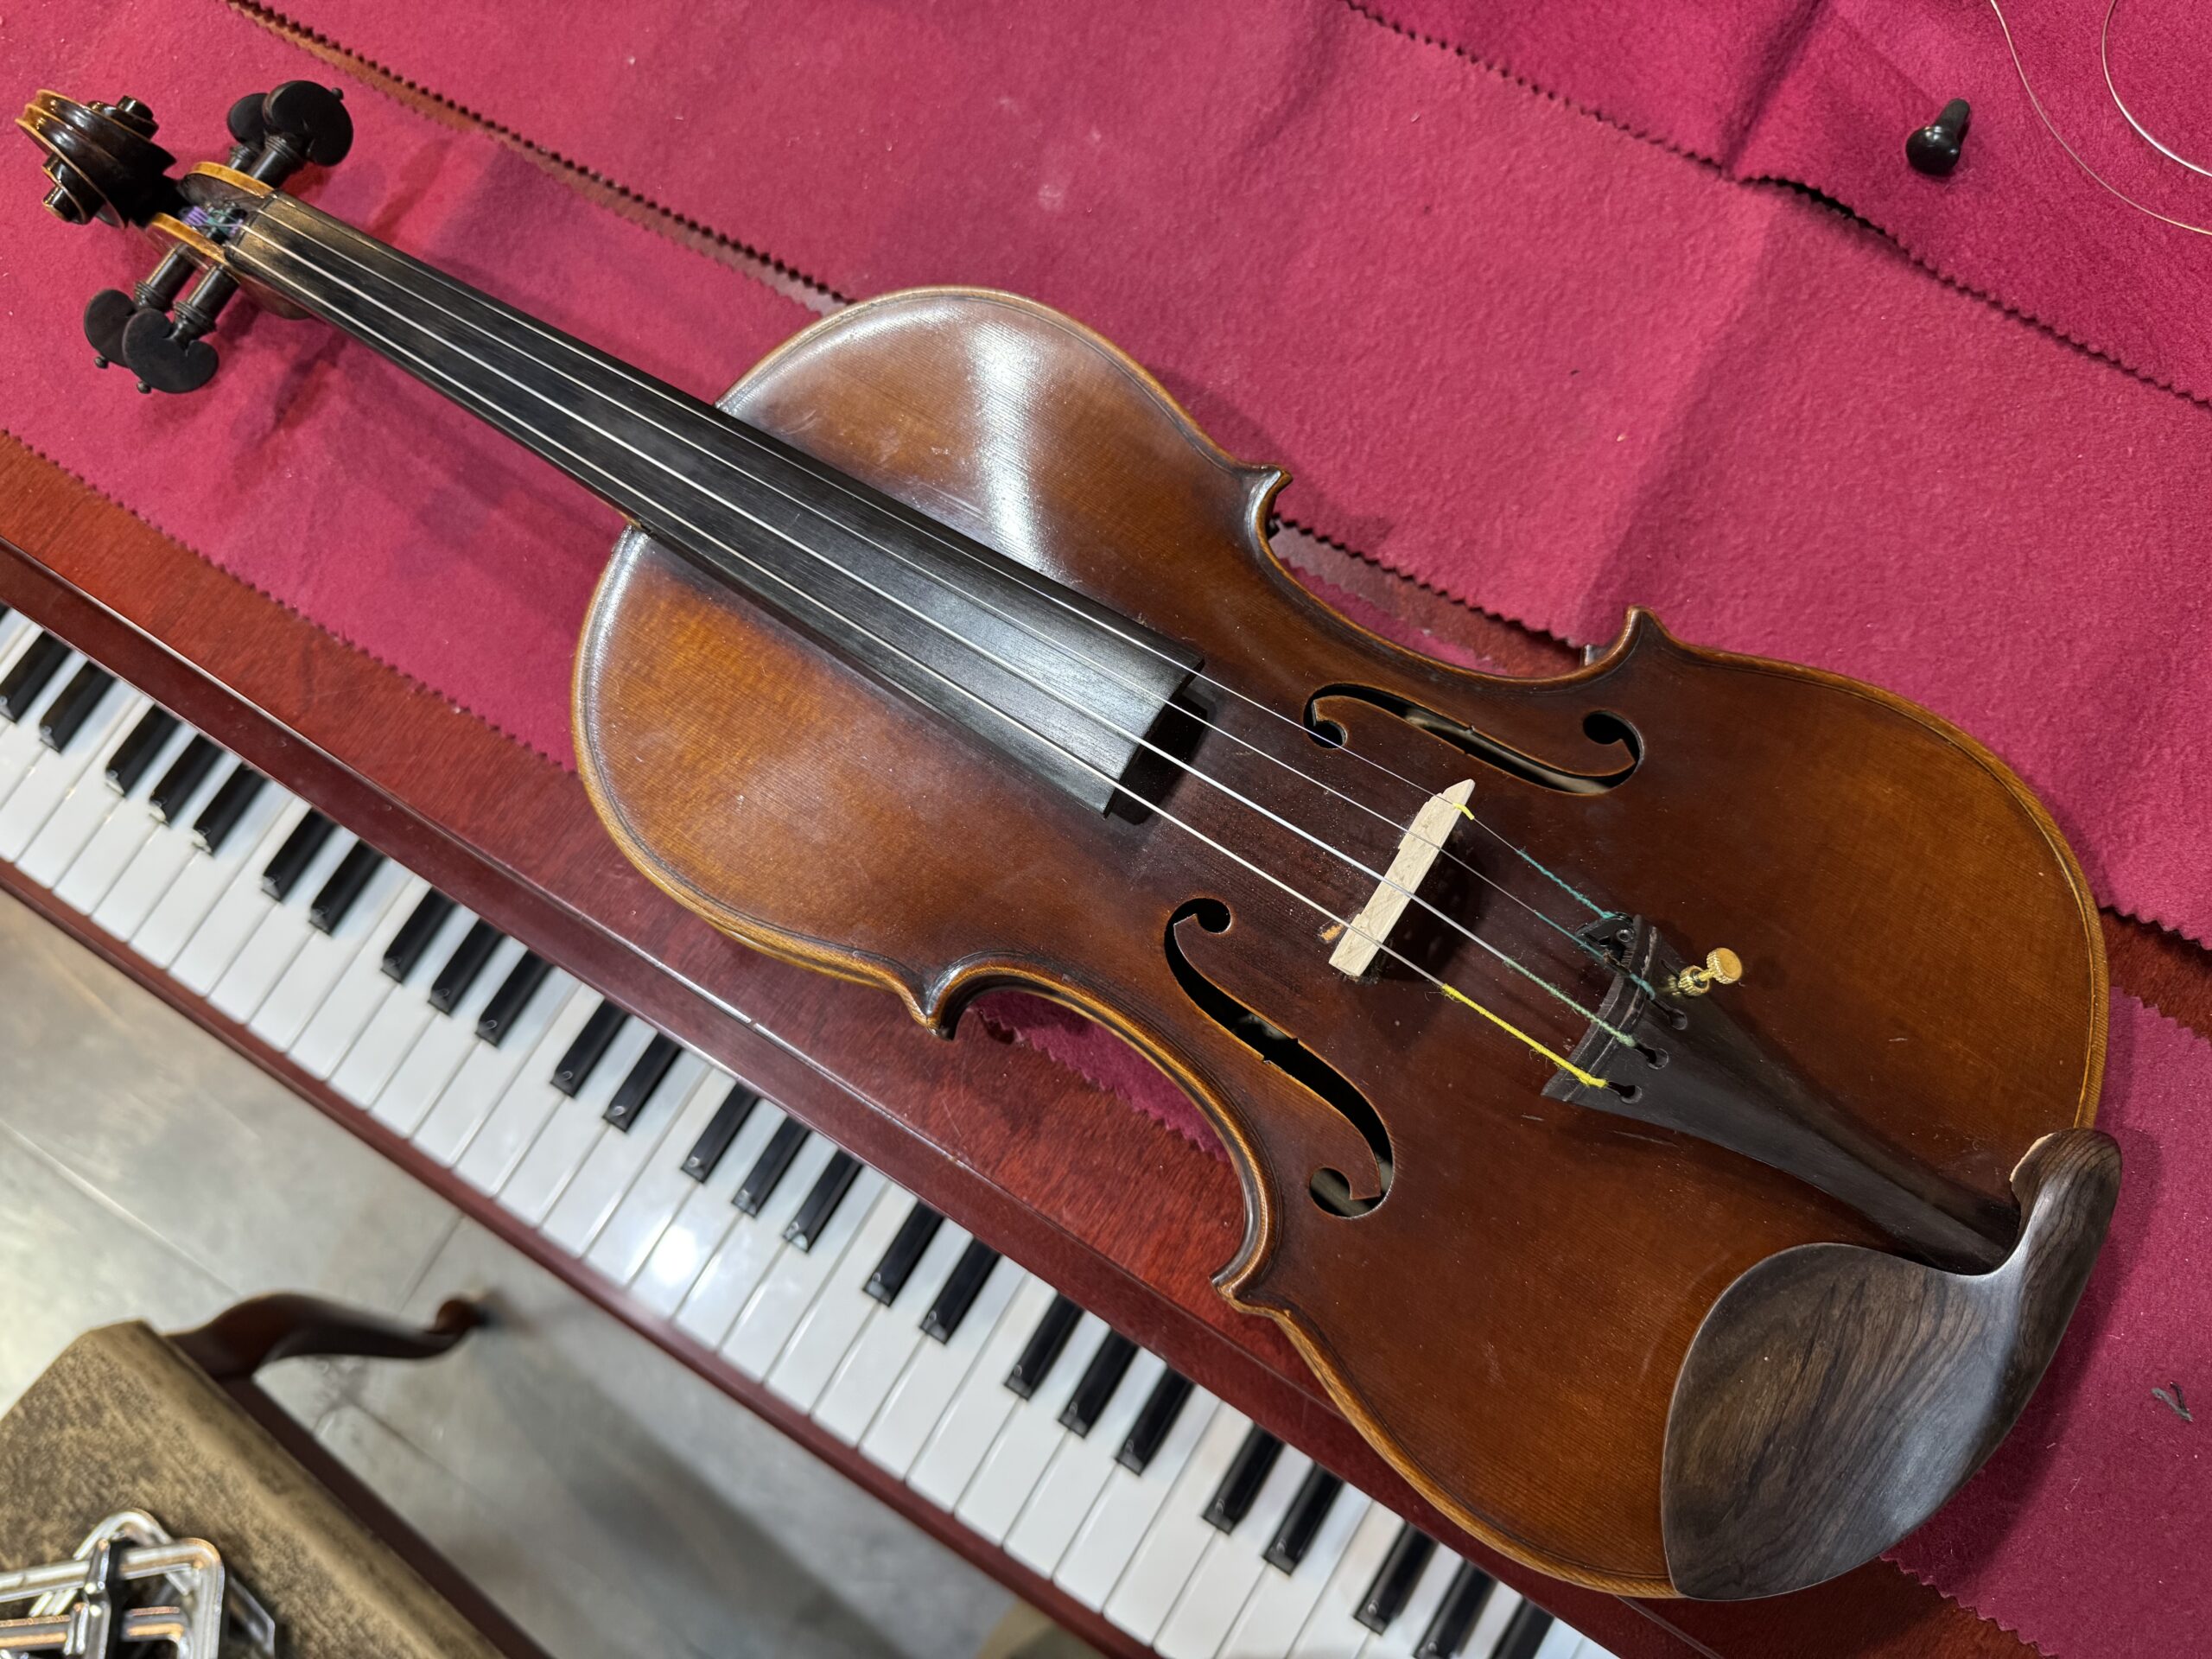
<point>226,807</point>
<point>33,672</point>
<point>722,1129</point>
<point>1100,1378</point>
<point>1524,1633</point>
<point>908,1245</point>
<point>415,934</point>
<point>1448,1631</point>
<point>328,909</point>
<point>65,716</point>
<point>1316,1495</point>
<point>1394,1580</point>
<point>1043,1348</point>
<point>961,1288</point>
<point>1254,1462</point>
<point>463,967</point>
<point>638,1082</point>
<point>1154,1418</point>
<point>512,997</point>
<point>761,1181</point>
<point>584,1054</point>
<point>292,859</point>
<point>136,754</point>
<point>186,773</point>
<point>822,1200</point>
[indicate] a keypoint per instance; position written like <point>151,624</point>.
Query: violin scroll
<point>105,165</point>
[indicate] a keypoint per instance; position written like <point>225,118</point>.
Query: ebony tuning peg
<point>165,356</point>
<point>111,310</point>
<point>1935,148</point>
<point>299,122</point>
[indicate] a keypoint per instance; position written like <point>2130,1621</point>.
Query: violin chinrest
<point>1836,1397</point>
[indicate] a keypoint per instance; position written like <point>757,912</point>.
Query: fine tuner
<point>945,652</point>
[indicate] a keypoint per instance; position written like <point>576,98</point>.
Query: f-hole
<point>1331,1188</point>
<point>1599,726</point>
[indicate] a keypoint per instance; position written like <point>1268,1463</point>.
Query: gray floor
<point>147,1171</point>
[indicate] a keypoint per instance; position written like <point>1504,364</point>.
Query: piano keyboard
<point>1000,1400</point>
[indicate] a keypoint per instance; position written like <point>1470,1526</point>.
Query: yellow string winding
<point>1505,1025</point>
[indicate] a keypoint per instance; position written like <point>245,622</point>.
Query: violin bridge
<point>1361,941</point>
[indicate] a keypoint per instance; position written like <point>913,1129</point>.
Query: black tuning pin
<point>167,353</point>
<point>298,122</point>
<point>1935,148</point>
<point>112,310</point>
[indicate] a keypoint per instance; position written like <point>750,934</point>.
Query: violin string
<point>833,480</point>
<point>2074,156</point>
<point>1581,944</point>
<point>464,391</point>
<point>2104,56</point>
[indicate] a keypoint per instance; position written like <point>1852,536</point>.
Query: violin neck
<point>1066,687</point>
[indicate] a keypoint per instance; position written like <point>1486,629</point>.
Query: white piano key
<point>1282,1602</point>
<point>1231,1568</point>
<point>973,1420</point>
<point>1016,1461</point>
<point>16,629</point>
<point>267,956</point>
<point>90,802</point>
<point>489,1072</point>
<point>314,973</point>
<point>448,1039</point>
<point>704,1220</point>
<point>336,1023</point>
<point>403,1014</point>
<point>934,1375</point>
<point>237,910</point>
<point>118,837</point>
<point>19,744</point>
<point>833,1324</point>
<point>795,1279</point>
<point>515,1124</point>
<point>1489,1628</point>
<point>1406,1631</point>
<point>1583,1648</point>
<point>619,1158</point>
<point>1165,1560</point>
<point>161,859</point>
<point>1079,1471</point>
<point>627,1240</point>
<point>1332,1631</point>
<point>564,1141</point>
<point>202,879</point>
<point>888,1339</point>
<point>53,773</point>
<point>1126,1512</point>
<point>729,1280</point>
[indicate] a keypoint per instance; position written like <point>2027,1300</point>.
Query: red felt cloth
<point>1825,95</point>
<point>1523,357</point>
<point>1682,370</point>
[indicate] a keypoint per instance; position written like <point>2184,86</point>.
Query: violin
<point>1662,1093</point>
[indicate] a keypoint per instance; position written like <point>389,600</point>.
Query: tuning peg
<point>247,123</point>
<point>298,122</point>
<point>111,310</point>
<point>167,354</point>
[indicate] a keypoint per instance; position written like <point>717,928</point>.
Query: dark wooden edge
<point>287,1324</point>
<point>236,632</point>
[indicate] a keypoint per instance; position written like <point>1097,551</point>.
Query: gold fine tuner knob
<point>1722,967</point>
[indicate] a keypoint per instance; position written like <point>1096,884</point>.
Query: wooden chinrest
<point>1836,1397</point>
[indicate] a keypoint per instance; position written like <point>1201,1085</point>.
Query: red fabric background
<point>1519,354</point>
